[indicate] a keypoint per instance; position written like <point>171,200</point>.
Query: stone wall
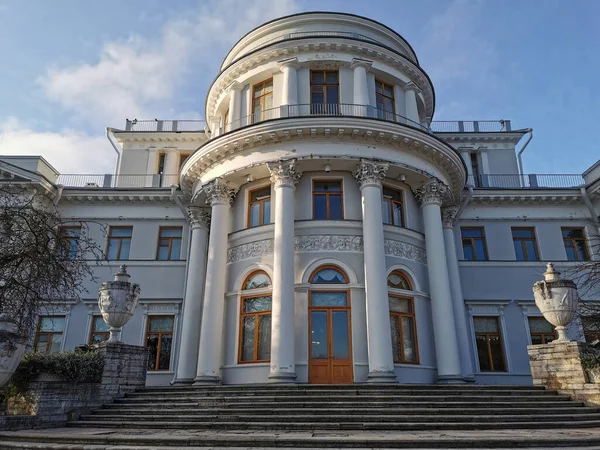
<point>558,367</point>
<point>53,403</point>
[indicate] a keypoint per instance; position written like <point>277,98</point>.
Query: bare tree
<point>44,258</point>
<point>587,276</point>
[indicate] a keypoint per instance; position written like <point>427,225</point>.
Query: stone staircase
<point>350,416</point>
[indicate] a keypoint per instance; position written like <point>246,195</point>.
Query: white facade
<point>336,101</point>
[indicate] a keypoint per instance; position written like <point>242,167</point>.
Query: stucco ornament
<point>449,216</point>
<point>117,300</point>
<point>199,217</point>
<point>557,300</point>
<point>219,192</point>
<point>12,348</point>
<point>285,173</point>
<point>370,172</point>
<point>433,192</point>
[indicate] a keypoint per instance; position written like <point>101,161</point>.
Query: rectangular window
<point>489,344</point>
<point>327,200</point>
<point>159,340</point>
<point>49,334</point>
<point>591,327</point>
<point>473,242</point>
<point>169,243</point>
<point>119,242</point>
<point>540,330</point>
<point>259,207</point>
<point>525,244</point>
<point>385,100</point>
<point>161,163</point>
<point>69,242</point>
<point>324,91</point>
<point>255,325</point>
<point>575,244</point>
<point>404,335</point>
<point>475,169</point>
<point>262,100</point>
<point>392,207</point>
<point>99,331</point>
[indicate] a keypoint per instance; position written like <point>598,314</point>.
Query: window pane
<point>327,186</point>
<point>254,214</point>
<point>317,98</point>
<point>482,353</point>
<point>497,357</point>
<point>328,299</point>
<point>519,253</point>
<point>56,340</point>
<point>175,249</point>
<point>378,87</point>
<point>163,253</point>
<point>331,77</point>
<point>120,231</point>
<point>257,304</point>
<point>531,251</point>
<point>582,251</point>
<point>260,194</point>
<point>164,359</point>
<point>485,324</point>
<point>319,335</point>
<point>100,325</point>
<point>113,247</point>
<point>266,218</point>
<point>258,280</point>
<point>317,78</point>
<point>152,344</point>
<point>328,275</point>
<point>98,338</point>
<point>536,339</point>
<point>268,101</point>
<point>161,324</point>
<point>339,325</point>
<point>264,337</point>
<point>397,214</point>
<point>471,232</point>
<point>397,304</point>
<point>335,207</point>
<point>385,207</point>
<point>268,86</point>
<point>392,194</point>
<point>395,327</point>
<point>332,97</point>
<point>389,105</point>
<point>388,90</point>
<point>125,243</point>
<point>49,324</point>
<point>319,207</point>
<point>248,338</point>
<point>522,232</point>
<point>540,325</point>
<point>408,339</point>
<point>480,249</point>
<point>572,233</point>
<point>170,232</point>
<point>468,252</point>
<point>396,281</point>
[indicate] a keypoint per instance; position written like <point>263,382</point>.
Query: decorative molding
<point>529,197</point>
<point>433,192</point>
<point>404,250</point>
<point>487,308</point>
<point>449,216</point>
<point>199,217</point>
<point>529,308</point>
<point>108,195</point>
<point>328,243</point>
<point>358,62</point>
<point>250,250</point>
<point>160,308</point>
<point>63,307</point>
<point>284,173</point>
<point>290,62</point>
<point>370,173</point>
<point>218,192</point>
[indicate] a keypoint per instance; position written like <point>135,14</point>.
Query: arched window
<point>328,275</point>
<point>255,319</point>
<point>402,319</point>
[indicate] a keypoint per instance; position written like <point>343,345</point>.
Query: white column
<point>431,196</point>
<point>289,91</point>
<point>235,105</point>
<point>284,176</point>
<point>448,217</point>
<point>410,96</point>
<point>361,87</point>
<point>169,176</point>
<point>369,176</point>
<point>192,301</point>
<point>151,166</point>
<point>220,197</point>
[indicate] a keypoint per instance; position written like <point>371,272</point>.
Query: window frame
<point>327,194</point>
<point>245,295</point>
<point>66,238</point>
<point>542,335</point>
<point>489,350</point>
<point>574,243</point>
<point>109,237</point>
<point>328,266</point>
<point>397,315</point>
<point>149,318</point>
<point>161,161</point>
<point>106,334</point>
<point>262,99</point>
<point>249,204</point>
<point>473,239</point>
<point>383,96</point>
<point>324,86</point>
<point>523,246</point>
<point>391,203</point>
<point>170,239</point>
<point>38,332</point>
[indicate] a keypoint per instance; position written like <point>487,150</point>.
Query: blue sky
<point>71,68</point>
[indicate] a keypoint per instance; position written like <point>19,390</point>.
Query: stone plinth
<point>557,366</point>
<point>125,368</point>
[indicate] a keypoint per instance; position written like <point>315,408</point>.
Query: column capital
<point>449,216</point>
<point>291,63</point>
<point>357,62</point>
<point>433,192</point>
<point>198,217</point>
<point>235,86</point>
<point>170,150</point>
<point>218,192</point>
<point>370,173</point>
<point>284,173</point>
<point>410,86</point>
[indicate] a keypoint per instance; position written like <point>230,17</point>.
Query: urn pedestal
<point>117,300</point>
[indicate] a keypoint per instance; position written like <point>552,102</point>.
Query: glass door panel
<point>319,335</point>
<point>339,334</point>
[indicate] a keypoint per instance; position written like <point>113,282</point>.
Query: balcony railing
<point>164,125</point>
<point>526,181</point>
<point>117,181</point>
<point>470,126</point>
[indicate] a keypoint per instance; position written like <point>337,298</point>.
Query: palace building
<point>320,226</point>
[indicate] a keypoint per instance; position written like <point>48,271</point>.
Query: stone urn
<point>117,300</point>
<point>557,300</point>
<point>12,348</point>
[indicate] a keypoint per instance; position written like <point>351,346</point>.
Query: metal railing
<point>470,126</point>
<point>526,181</point>
<point>117,181</point>
<point>164,125</point>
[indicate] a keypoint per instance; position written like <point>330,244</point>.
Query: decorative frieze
<point>404,250</point>
<point>328,243</point>
<point>218,192</point>
<point>199,217</point>
<point>433,191</point>
<point>370,172</point>
<point>284,173</point>
<point>250,250</point>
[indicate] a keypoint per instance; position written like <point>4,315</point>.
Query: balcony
<point>104,181</point>
<point>173,126</point>
<point>526,181</point>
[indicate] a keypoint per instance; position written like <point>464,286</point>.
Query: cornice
<point>104,196</point>
<point>345,129</point>
<point>161,136</point>
<point>527,197</point>
<point>481,137</point>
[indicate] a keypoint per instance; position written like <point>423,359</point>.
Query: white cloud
<point>68,151</point>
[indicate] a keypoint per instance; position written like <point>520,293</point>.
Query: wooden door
<point>330,346</point>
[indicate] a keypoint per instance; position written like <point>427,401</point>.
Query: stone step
<point>346,418</point>
<point>337,426</point>
<point>338,387</point>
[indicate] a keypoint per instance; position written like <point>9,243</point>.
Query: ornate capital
<point>357,62</point>
<point>199,217</point>
<point>291,62</point>
<point>434,192</point>
<point>449,216</point>
<point>370,172</point>
<point>218,192</point>
<point>284,173</point>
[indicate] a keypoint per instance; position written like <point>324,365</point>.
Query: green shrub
<point>590,358</point>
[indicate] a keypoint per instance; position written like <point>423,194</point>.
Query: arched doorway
<point>329,327</point>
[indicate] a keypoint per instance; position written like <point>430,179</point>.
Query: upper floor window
<point>473,242</point>
<point>69,241</point>
<point>392,207</point>
<point>475,169</point>
<point>385,100</point>
<point>119,242</point>
<point>540,330</point>
<point>525,244</point>
<point>262,100</point>
<point>99,331</point>
<point>159,340</point>
<point>259,206</point>
<point>490,350</point>
<point>169,243</point>
<point>575,244</point>
<point>255,319</point>
<point>324,91</point>
<point>49,334</point>
<point>182,159</point>
<point>162,157</point>
<point>327,200</point>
